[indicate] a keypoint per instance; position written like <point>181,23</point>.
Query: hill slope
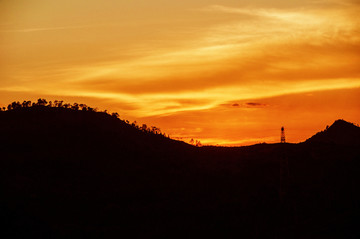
<point>67,173</point>
<point>340,132</point>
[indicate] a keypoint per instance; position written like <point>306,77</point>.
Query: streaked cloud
<point>162,59</point>
<point>284,15</point>
<point>40,29</point>
<point>255,105</point>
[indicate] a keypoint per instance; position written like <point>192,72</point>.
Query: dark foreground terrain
<point>76,174</point>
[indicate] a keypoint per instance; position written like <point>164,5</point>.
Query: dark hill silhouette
<point>79,173</point>
<point>340,132</point>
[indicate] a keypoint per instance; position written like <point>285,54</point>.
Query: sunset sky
<point>227,72</point>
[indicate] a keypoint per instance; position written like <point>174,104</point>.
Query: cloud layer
<point>165,59</point>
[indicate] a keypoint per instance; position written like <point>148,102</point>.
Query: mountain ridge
<point>340,132</point>
<point>67,172</point>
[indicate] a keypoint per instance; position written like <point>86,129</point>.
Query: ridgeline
<point>69,171</point>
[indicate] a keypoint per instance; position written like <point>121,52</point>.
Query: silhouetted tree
<point>75,106</point>
<point>14,105</point>
<point>115,114</point>
<point>59,104</point>
<point>144,127</point>
<point>83,107</point>
<point>41,102</point>
<point>198,143</point>
<point>155,130</point>
<point>26,104</point>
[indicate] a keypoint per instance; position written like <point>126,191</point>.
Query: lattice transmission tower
<point>285,193</point>
<point>282,135</point>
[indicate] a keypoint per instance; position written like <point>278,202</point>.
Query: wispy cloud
<point>247,105</point>
<point>337,2</point>
<point>255,105</point>
<point>44,29</point>
<point>191,68</point>
<point>285,15</point>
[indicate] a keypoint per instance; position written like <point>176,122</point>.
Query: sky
<point>225,72</point>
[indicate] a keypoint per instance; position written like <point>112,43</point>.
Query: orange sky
<point>227,72</point>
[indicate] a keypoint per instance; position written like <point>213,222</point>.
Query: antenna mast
<point>282,135</point>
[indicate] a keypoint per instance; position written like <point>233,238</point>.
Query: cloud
<point>285,15</point>
<point>283,66</point>
<point>337,2</point>
<point>255,53</point>
<point>247,105</point>
<point>255,105</point>
<point>43,29</point>
<point>291,54</point>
